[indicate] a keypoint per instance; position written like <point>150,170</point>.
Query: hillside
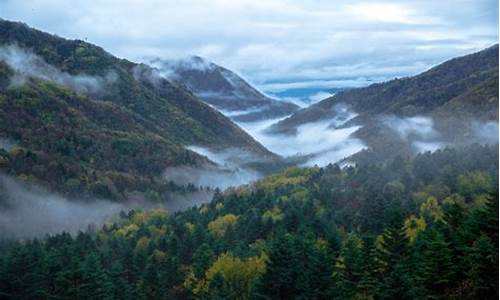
<point>410,229</point>
<point>224,89</point>
<point>82,120</point>
<point>449,89</point>
<point>454,103</point>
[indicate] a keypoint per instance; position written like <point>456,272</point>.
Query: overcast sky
<point>277,44</point>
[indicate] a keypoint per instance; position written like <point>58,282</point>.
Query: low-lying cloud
<point>27,210</point>
<point>238,113</point>
<point>319,96</point>
<point>186,63</point>
<point>27,64</point>
<point>229,169</point>
<point>153,75</point>
<point>320,142</point>
<point>419,131</point>
<point>485,132</point>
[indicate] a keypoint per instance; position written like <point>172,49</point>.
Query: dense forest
<point>419,228</point>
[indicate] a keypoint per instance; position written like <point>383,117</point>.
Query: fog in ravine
<point>27,210</point>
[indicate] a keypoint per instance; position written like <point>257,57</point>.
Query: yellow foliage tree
<point>128,230</point>
<point>220,225</point>
<point>273,215</point>
<point>139,217</point>
<point>413,226</point>
<point>157,216</point>
<point>239,275</point>
<point>142,244</point>
<point>432,209</point>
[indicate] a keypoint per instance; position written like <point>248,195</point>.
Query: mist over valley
<point>249,150</point>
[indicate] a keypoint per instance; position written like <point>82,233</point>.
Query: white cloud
<point>277,41</point>
<point>320,142</point>
<point>26,64</point>
<point>419,131</point>
<point>228,171</point>
<point>319,96</point>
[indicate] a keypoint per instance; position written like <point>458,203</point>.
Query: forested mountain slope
<point>452,104</point>
<point>79,119</point>
<point>425,228</point>
<point>224,89</point>
<point>461,87</point>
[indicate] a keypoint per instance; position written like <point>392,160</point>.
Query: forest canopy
<point>419,228</point>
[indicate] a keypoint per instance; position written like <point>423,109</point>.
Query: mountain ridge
<point>382,98</point>
<point>223,89</point>
<point>453,103</point>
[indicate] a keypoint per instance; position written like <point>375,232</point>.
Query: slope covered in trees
<point>84,121</point>
<point>425,228</point>
<point>454,103</point>
<point>450,89</point>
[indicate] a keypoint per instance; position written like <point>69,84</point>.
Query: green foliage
<point>297,268</point>
<point>302,234</point>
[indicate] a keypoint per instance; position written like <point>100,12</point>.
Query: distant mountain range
<point>457,100</point>
<point>223,89</point>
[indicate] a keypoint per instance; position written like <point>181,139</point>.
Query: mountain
<point>223,89</point>
<point>452,99</point>
<point>82,121</point>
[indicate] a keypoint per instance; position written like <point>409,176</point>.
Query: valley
<point>176,178</point>
<point>125,142</point>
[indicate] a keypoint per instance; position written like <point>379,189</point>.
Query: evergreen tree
<point>202,259</point>
<point>95,283</point>
<point>349,267</point>
<point>434,266</point>
<point>392,267</point>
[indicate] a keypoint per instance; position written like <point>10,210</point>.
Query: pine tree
<point>24,272</point>
<point>281,271</point>
<point>150,279</point>
<point>349,267</point>
<point>482,259</point>
<point>95,283</point>
<point>297,268</point>
<point>434,268</point>
<point>202,259</point>
<point>119,286</point>
<point>392,268</point>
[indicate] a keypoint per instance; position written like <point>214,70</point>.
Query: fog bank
<point>26,64</point>
<point>419,131</point>
<point>485,132</point>
<point>228,170</point>
<point>27,210</point>
<point>322,142</point>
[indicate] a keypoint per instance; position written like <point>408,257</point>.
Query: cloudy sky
<point>277,44</point>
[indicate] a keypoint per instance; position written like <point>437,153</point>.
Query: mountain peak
<point>223,89</point>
